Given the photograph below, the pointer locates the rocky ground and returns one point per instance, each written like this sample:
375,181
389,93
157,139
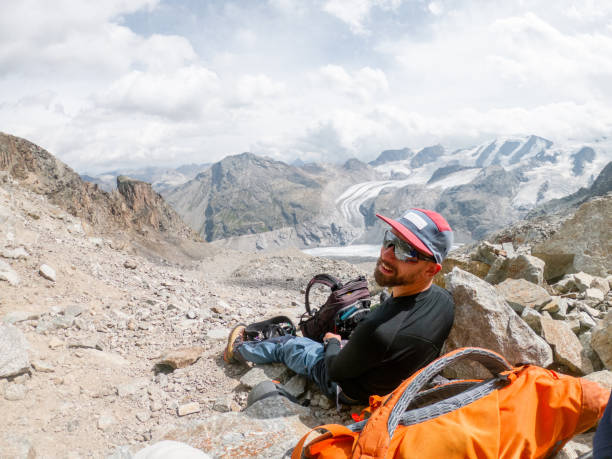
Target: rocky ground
96,319
110,343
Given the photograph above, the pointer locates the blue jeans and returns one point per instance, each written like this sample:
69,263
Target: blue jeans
298,354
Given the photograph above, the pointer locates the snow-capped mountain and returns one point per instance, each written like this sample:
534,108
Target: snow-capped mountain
478,189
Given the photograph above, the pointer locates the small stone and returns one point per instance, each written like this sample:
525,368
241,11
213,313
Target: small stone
105,421
130,264
192,314
14,358
8,274
188,408
582,281
15,254
593,294
156,405
261,373
47,272
143,416
181,357
223,404
15,392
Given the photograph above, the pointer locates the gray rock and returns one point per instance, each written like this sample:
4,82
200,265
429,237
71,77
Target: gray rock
581,243
576,447
15,392
582,281
223,404
566,345
296,386
275,406
601,341
484,319
532,318
188,408
603,378
586,321
130,264
181,357
601,284
13,352
8,274
588,352
486,252
47,272
520,294
525,267
593,294
169,449
262,373
567,284
16,254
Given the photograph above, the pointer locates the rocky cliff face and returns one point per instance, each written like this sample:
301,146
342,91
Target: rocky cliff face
246,195
134,207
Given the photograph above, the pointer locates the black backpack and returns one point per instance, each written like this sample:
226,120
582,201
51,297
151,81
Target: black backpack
315,323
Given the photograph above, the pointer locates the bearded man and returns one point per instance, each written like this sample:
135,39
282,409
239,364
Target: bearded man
400,336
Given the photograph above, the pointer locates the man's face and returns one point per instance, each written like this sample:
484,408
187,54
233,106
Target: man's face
391,272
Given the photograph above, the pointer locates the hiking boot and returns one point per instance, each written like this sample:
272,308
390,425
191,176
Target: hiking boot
236,338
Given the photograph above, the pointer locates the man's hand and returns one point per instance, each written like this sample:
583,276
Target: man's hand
330,335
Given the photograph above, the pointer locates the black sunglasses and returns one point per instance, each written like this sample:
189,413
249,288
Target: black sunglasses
402,250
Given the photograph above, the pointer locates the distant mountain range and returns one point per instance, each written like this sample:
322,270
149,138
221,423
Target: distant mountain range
259,202
160,178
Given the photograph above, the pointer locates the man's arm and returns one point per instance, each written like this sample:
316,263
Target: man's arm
361,352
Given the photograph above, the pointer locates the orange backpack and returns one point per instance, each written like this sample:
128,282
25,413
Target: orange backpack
522,412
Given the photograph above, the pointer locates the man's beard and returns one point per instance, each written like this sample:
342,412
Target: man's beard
393,279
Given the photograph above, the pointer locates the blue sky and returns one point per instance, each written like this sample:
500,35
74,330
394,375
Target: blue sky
131,83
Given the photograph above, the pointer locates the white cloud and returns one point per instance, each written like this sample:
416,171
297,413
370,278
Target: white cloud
101,87
356,12
180,94
366,83
253,89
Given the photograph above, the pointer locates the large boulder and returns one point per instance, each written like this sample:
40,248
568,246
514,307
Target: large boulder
568,350
521,266
601,341
520,294
13,352
582,243
484,319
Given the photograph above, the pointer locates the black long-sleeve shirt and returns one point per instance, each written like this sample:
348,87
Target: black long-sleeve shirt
399,337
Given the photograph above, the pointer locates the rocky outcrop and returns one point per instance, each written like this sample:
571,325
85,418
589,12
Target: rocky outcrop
135,207
484,319
582,242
